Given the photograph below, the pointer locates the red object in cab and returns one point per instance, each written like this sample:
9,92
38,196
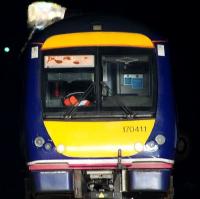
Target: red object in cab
71,101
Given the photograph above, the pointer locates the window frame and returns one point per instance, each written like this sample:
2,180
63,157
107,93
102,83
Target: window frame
98,52
130,51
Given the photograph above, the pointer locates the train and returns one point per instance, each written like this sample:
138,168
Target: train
100,119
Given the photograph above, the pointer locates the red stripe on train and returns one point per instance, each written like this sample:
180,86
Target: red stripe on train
65,166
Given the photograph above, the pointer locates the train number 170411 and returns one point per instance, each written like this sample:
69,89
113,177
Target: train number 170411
132,129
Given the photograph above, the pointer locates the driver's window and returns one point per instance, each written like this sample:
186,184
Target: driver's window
69,85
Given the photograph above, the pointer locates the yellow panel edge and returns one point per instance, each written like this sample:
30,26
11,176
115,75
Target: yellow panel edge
84,39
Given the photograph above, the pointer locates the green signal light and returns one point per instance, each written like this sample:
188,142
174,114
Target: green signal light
6,49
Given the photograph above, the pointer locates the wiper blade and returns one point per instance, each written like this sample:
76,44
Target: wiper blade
129,113
68,114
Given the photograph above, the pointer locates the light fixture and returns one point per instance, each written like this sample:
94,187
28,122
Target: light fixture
42,14
39,141
97,27
48,146
151,146
160,139
6,49
60,148
138,147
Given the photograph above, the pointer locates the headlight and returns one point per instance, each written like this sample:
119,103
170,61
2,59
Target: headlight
60,148
139,147
160,139
39,141
151,146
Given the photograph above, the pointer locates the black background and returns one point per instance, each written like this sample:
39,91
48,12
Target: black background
177,21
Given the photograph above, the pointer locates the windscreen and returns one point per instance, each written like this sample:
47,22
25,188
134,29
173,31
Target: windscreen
127,81
112,81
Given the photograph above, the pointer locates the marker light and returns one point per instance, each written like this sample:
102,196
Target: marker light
42,14
160,139
48,146
39,141
139,147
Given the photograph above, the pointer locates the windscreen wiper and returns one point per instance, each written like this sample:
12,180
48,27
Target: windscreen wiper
129,113
68,114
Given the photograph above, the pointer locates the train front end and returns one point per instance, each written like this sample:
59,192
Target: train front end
100,119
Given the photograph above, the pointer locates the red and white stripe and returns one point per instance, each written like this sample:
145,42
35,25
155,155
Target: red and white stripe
85,164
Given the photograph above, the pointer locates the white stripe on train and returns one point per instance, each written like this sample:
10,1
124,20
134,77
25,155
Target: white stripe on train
101,161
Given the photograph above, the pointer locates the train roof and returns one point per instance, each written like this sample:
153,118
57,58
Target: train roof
85,23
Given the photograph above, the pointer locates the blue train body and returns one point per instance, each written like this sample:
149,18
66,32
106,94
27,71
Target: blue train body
52,171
